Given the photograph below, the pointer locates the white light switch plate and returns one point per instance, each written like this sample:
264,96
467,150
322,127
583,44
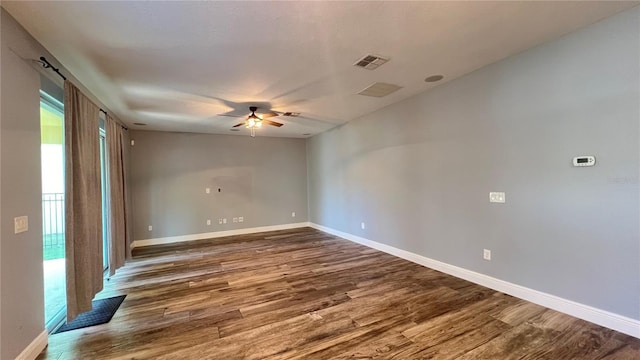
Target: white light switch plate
497,197
21,224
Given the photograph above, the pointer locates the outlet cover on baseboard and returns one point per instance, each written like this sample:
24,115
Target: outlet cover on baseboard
497,197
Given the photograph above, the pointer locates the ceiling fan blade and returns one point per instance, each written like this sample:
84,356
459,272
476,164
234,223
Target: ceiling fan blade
237,125
272,123
231,115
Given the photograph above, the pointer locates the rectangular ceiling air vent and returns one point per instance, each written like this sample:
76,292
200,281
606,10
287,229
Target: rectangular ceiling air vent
380,89
292,114
371,62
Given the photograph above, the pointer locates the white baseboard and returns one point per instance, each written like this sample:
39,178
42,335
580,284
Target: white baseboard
35,348
216,234
604,318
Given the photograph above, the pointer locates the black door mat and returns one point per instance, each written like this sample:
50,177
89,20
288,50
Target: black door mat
101,313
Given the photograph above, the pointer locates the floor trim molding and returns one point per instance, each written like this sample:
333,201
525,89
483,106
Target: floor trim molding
215,234
35,348
604,318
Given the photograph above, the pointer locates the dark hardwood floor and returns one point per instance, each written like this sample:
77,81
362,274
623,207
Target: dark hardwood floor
304,294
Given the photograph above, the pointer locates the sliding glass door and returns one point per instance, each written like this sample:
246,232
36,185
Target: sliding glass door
105,201
53,207
53,244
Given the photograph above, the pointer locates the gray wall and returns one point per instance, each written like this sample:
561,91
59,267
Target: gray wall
22,306
261,179
418,173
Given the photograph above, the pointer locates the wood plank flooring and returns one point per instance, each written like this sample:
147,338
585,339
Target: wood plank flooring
304,294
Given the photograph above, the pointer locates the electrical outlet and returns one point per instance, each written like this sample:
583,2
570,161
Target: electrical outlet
240,219
362,225
20,224
224,220
293,214
208,221
235,219
207,190
220,221
150,227
486,254
497,197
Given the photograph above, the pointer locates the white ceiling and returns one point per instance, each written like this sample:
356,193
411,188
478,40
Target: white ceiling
176,65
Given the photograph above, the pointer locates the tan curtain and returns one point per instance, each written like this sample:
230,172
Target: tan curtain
83,205
117,201
126,157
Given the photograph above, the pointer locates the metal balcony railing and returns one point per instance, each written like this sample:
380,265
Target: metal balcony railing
53,225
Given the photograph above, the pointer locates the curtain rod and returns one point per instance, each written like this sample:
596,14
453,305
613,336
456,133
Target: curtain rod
47,65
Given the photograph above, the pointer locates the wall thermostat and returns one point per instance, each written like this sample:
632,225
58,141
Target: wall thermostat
584,161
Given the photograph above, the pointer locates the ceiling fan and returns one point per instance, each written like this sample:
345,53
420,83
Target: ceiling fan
254,121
